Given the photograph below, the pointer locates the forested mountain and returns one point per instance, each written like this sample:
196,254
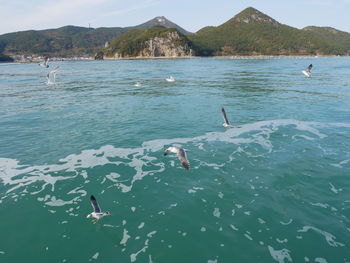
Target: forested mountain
70,40
248,33
254,33
161,21
338,37
64,41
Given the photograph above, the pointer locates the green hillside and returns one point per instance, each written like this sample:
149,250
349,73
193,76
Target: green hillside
254,33
64,41
338,37
248,33
130,44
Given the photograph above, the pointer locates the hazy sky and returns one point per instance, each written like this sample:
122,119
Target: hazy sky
18,15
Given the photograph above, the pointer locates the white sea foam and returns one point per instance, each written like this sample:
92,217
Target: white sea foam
233,227
320,205
134,255
320,260
329,237
216,212
341,164
286,223
20,177
95,256
125,237
280,255
335,190
151,234
248,236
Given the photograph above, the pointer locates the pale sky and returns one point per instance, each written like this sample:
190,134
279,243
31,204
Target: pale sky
19,15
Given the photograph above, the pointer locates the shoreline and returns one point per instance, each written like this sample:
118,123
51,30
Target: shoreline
34,59
232,57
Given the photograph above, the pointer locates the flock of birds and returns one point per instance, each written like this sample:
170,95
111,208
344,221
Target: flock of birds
180,152
51,76
181,155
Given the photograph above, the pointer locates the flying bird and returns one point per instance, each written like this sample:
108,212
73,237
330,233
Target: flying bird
307,72
181,154
309,68
45,64
97,213
226,123
51,77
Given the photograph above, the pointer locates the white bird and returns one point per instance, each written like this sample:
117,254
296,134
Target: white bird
170,79
45,64
97,213
226,123
51,77
137,84
181,154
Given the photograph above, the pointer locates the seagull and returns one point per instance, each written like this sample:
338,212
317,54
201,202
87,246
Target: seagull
97,214
137,84
170,79
181,154
309,68
307,72
45,64
51,77
226,124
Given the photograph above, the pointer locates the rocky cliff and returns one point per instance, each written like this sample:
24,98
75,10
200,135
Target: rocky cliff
154,42
167,46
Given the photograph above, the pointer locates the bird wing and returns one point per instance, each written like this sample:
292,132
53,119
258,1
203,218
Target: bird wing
224,115
181,154
55,70
309,68
52,73
94,204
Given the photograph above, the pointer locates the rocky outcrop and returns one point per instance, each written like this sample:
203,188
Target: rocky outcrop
169,46
166,43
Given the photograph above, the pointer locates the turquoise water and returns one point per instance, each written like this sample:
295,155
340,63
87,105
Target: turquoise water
275,190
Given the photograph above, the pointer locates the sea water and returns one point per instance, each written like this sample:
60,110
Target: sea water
277,189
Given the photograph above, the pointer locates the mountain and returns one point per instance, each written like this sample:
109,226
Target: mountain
70,40
157,41
161,21
252,32
336,36
64,41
